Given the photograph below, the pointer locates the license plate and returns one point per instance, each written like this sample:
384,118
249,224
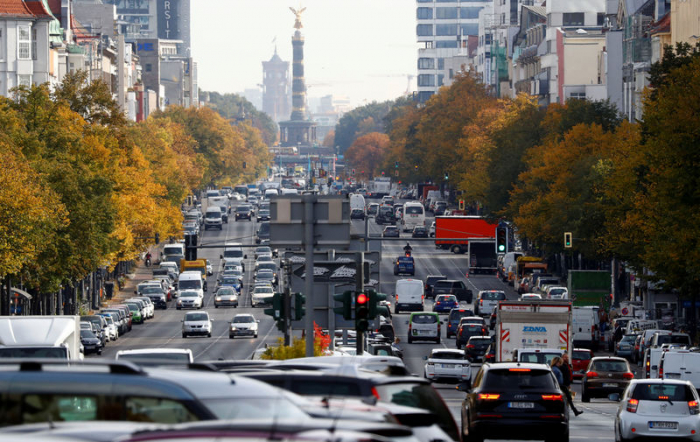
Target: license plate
448,365
664,425
609,385
521,405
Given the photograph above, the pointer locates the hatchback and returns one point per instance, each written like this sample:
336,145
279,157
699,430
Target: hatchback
625,348
580,358
419,232
445,303
605,375
226,296
453,320
446,363
467,330
390,232
196,323
243,325
476,348
424,326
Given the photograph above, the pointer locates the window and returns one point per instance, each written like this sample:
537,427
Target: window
577,95
426,63
440,80
1,45
426,80
573,19
58,407
424,30
149,67
424,96
601,19
34,44
143,409
469,12
24,48
446,29
425,1
487,39
424,13
446,13
24,80
470,29
441,63
446,44
451,74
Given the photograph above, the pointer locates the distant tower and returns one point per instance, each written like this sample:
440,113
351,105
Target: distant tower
299,130
276,88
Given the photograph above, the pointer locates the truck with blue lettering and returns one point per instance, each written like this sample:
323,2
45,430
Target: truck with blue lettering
532,325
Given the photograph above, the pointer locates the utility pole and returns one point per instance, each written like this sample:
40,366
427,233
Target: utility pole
309,201
287,301
359,288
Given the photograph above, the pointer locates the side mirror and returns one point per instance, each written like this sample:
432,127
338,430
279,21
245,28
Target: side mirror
615,397
425,358
182,320
257,320
245,256
464,386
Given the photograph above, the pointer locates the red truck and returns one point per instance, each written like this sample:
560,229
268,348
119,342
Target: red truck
468,234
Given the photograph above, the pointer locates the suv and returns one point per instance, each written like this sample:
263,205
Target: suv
467,330
453,287
244,211
476,347
605,375
486,300
453,320
424,326
430,281
514,401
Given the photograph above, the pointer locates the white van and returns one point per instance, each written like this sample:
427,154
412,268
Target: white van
681,364
271,192
213,219
173,252
635,326
585,325
191,280
413,215
409,295
505,263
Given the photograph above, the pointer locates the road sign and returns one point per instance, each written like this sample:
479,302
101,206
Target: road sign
331,219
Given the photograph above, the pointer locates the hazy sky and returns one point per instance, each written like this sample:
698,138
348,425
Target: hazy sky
361,49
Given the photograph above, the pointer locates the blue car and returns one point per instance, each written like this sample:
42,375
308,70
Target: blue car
405,265
445,303
230,281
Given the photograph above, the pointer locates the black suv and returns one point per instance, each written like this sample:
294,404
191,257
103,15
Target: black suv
244,212
469,329
453,320
452,287
514,401
385,215
430,282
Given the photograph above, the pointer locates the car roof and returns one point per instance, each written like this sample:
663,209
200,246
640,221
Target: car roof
447,350
509,365
154,350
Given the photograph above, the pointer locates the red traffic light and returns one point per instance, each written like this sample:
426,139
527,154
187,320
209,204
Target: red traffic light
362,299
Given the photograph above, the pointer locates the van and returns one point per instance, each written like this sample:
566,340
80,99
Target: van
212,218
635,326
413,216
357,201
585,325
409,295
486,300
505,263
271,192
683,365
424,326
536,355
191,280
173,252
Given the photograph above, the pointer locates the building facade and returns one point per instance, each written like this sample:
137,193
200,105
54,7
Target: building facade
276,91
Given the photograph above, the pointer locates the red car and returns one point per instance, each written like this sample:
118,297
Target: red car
580,359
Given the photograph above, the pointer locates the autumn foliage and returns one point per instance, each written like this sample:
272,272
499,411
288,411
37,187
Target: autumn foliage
367,154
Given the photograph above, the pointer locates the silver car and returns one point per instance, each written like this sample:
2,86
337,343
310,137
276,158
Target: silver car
196,324
658,408
189,299
243,325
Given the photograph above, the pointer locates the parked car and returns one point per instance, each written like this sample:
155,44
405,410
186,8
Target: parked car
91,343
605,375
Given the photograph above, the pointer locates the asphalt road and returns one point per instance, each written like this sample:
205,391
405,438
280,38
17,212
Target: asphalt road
165,329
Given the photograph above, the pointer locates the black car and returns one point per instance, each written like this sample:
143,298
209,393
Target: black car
430,282
244,212
419,232
476,348
468,330
453,320
262,236
385,215
514,401
91,343
453,287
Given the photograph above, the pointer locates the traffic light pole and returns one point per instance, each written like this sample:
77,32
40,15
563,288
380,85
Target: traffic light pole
359,288
287,300
309,201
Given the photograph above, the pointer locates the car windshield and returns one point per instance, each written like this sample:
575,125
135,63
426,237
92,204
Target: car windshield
450,298
189,295
443,285
673,339
472,327
456,315
225,291
151,290
480,341
263,289
254,408
243,319
445,355
629,338
263,250
493,296
196,317
133,307
267,266
413,210
142,357
190,284
610,366
662,392
538,358
243,209
519,379
86,334
424,319
230,280
581,355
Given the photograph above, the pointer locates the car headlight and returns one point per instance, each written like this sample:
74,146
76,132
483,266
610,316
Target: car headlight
218,298
234,328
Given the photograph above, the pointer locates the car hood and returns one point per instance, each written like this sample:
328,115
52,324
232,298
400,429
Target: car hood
193,323
245,325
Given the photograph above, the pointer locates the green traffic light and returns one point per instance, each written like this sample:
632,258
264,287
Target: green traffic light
501,248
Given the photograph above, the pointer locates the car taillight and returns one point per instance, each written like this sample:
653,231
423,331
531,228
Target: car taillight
488,396
471,346
375,393
694,407
552,397
438,303
648,369
481,302
592,374
632,405
661,369
628,375
460,332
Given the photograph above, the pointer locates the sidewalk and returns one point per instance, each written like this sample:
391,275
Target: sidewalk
139,274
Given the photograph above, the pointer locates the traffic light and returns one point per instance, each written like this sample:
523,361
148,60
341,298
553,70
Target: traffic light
447,176
157,238
244,164
277,309
190,247
568,240
501,239
353,172
461,204
396,164
345,299
396,173
416,167
298,301
361,312
375,309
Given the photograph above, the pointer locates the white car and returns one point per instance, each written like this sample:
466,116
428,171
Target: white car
530,297
196,323
431,231
189,299
557,292
658,408
262,294
243,325
263,251
447,363
226,296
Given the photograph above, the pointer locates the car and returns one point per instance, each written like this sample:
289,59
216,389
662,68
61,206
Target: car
445,303
530,297
468,329
262,235
243,325
486,300
580,358
453,318
189,299
210,269
625,348
90,342
229,281
536,355
490,354
657,408
265,275
419,232
226,296
424,326
224,214
430,281
372,209
135,310
493,317
263,215
254,200
261,295
156,356
404,265
476,348
556,292
453,287
514,401
385,215
605,375
390,232
244,211
191,228
157,295
444,363
112,325
196,323
265,251
431,231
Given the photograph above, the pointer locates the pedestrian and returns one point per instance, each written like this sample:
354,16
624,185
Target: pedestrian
556,369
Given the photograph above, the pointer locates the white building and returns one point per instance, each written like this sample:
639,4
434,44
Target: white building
26,57
442,32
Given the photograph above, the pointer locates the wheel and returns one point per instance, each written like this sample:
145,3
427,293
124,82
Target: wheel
230,336
179,308
473,435
99,352
216,306
437,341
396,310
459,347
558,438
410,341
255,336
396,272
457,249
585,397
209,335
184,335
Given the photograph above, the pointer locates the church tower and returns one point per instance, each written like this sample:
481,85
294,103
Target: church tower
276,88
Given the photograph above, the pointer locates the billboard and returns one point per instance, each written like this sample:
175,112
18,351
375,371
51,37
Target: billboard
169,13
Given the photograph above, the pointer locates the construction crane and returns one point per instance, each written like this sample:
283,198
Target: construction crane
409,77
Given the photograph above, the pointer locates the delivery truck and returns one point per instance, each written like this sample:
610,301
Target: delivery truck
40,337
532,324
454,232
